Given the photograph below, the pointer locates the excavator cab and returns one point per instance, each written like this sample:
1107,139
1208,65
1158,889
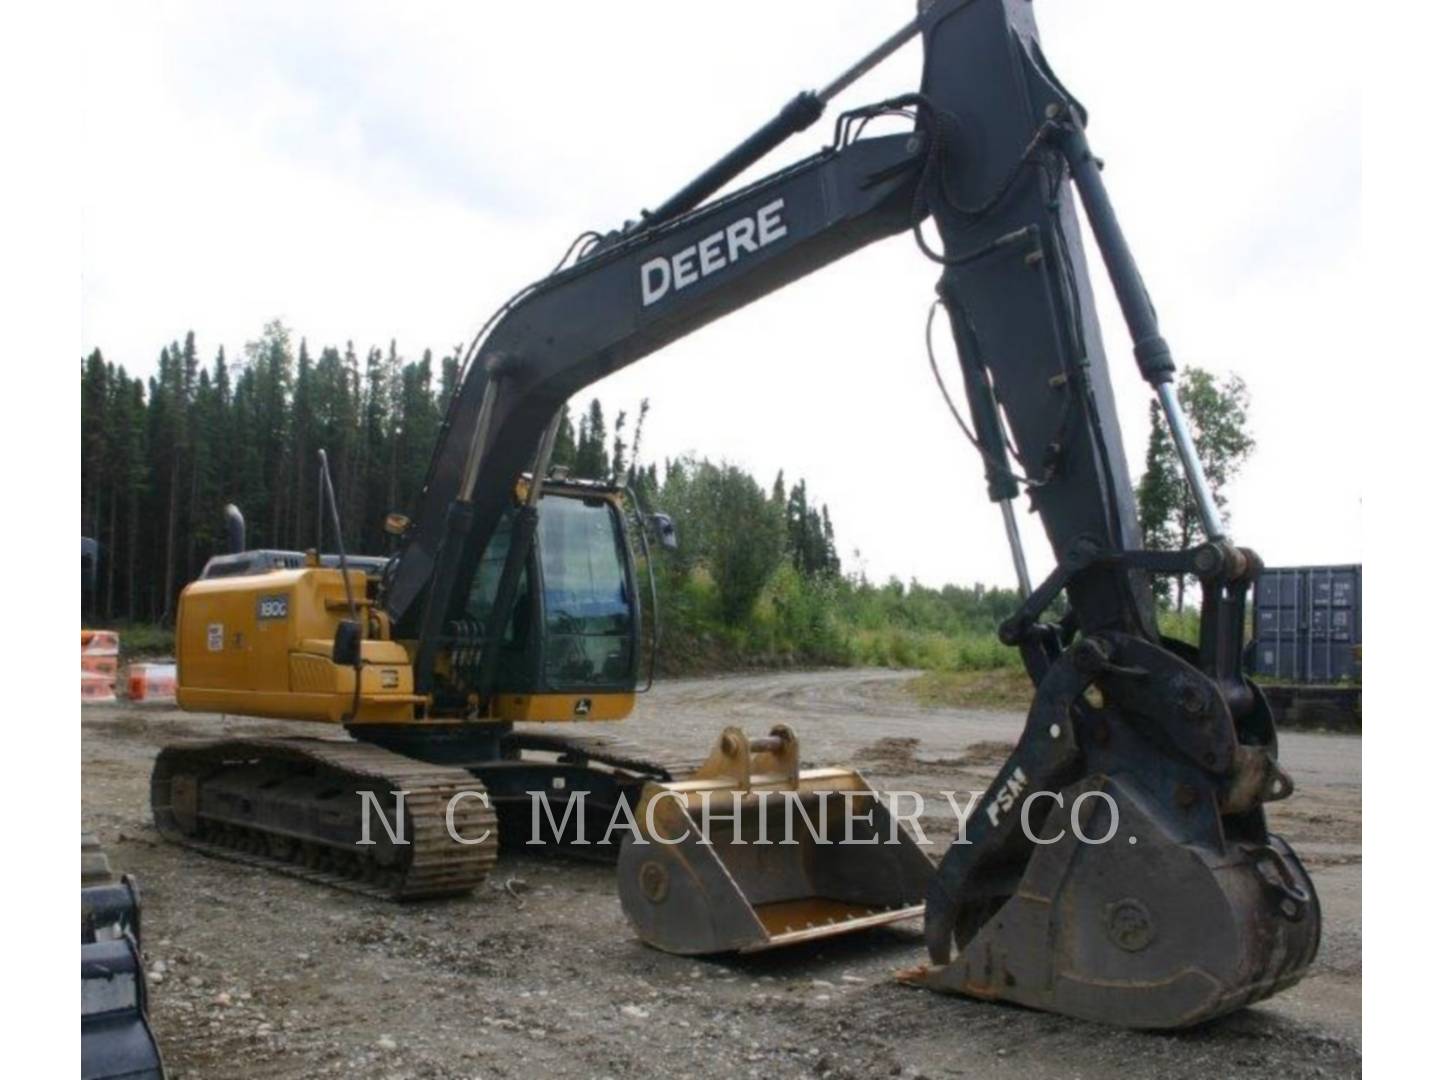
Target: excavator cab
569,646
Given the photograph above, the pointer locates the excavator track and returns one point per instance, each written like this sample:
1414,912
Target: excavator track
603,750
292,805
609,770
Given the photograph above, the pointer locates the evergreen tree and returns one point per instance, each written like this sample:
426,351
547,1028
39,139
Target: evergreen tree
303,456
133,459
418,430
166,423
373,456
394,388
829,556
352,508
617,458
94,450
160,458
564,452
450,377
631,475
592,459
201,520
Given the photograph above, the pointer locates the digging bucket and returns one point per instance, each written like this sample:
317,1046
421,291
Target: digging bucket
750,852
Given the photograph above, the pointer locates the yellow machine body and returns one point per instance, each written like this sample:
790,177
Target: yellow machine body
547,708
260,641
260,645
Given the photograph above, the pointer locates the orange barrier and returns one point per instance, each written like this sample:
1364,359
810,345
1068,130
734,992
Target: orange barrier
99,664
99,641
150,682
95,689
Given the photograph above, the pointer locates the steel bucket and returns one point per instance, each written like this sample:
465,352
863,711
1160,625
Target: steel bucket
751,853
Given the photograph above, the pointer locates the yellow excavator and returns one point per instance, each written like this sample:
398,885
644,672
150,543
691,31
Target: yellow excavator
1119,867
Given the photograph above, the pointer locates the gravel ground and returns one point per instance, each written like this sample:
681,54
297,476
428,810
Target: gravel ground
539,974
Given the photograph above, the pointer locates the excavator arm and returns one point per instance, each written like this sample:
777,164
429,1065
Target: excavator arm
1190,907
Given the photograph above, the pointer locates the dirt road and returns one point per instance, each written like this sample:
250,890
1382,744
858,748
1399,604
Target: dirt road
265,976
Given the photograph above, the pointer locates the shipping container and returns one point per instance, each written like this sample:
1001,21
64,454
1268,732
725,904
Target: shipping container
1306,625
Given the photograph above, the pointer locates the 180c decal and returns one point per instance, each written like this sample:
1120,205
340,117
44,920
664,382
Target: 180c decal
272,607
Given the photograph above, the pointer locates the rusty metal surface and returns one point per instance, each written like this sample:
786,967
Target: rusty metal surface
788,922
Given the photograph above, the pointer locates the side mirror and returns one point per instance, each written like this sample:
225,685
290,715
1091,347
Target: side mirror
665,531
345,652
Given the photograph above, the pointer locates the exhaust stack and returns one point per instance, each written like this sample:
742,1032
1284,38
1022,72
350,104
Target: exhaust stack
234,529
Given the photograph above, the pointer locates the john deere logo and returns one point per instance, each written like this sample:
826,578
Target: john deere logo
582,706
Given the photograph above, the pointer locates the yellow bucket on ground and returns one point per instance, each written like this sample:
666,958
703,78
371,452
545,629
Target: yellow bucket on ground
750,853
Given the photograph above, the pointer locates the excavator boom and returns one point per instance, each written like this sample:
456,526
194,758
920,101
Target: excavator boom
1014,285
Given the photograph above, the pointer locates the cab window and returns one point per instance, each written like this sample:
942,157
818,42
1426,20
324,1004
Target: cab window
486,583
588,632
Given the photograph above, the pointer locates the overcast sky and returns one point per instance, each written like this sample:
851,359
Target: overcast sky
377,171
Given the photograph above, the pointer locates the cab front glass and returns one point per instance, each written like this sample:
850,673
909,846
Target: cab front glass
586,594
586,633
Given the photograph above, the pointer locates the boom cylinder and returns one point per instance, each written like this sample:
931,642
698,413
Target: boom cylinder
798,114
1152,353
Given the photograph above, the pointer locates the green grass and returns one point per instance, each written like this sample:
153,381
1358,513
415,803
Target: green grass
1181,625
976,671
930,650
998,688
800,622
